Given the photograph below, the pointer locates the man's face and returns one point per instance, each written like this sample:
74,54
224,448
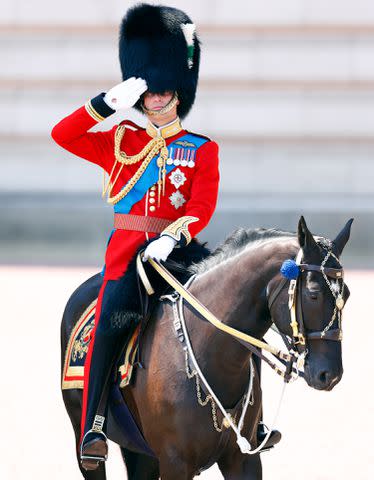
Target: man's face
156,101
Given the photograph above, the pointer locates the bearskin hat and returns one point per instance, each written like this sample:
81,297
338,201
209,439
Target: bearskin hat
159,44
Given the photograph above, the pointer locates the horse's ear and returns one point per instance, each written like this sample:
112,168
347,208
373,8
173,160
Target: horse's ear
306,239
342,238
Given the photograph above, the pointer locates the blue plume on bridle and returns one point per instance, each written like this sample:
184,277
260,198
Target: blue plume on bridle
290,269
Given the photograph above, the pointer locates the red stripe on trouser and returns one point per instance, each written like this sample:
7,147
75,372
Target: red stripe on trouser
87,365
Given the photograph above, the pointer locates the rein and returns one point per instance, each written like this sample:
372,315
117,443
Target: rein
296,346
252,343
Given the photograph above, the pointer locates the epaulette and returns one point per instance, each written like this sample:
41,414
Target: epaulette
198,135
133,126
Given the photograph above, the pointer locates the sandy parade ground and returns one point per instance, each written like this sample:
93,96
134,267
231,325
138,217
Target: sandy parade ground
326,436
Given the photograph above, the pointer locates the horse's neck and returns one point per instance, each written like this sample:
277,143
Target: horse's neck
235,291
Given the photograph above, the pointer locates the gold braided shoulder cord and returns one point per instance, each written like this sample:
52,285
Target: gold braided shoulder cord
149,151
121,156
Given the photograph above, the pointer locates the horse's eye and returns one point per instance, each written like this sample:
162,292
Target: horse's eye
313,294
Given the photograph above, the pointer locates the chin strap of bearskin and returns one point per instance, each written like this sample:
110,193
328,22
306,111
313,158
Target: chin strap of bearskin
166,109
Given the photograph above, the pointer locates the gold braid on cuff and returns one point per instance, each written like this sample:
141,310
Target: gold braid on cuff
164,110
179,228
92,112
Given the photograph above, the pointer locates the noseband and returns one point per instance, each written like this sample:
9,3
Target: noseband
300,335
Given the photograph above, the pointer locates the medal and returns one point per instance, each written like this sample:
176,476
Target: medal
183,157
177,199
177,178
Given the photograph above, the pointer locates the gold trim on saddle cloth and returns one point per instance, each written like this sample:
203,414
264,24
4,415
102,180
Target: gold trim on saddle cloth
77,347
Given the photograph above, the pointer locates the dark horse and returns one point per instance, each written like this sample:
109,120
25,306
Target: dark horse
234,283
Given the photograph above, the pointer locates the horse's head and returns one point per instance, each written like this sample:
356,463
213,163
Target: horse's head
309,311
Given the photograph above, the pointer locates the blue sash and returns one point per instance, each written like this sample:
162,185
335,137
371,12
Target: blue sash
185,147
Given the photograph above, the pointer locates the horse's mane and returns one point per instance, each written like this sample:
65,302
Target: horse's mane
242,238
235,243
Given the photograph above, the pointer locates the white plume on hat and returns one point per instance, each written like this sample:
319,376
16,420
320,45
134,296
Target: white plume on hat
188,30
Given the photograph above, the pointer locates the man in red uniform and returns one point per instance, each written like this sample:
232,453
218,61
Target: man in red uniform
163,180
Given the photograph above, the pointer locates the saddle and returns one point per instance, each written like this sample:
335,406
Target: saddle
129,296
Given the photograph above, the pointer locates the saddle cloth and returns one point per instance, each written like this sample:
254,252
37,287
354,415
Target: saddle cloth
77,347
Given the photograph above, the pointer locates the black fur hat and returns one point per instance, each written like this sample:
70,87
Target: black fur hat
153,46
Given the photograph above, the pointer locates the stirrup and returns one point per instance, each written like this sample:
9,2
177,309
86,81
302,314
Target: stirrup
92,461
275,437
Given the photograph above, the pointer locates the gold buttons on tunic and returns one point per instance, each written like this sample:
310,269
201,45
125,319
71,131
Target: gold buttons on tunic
152,208
152,194
152,200
153,187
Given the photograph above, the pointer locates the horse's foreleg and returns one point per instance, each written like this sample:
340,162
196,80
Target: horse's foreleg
140,467
240,467
173,467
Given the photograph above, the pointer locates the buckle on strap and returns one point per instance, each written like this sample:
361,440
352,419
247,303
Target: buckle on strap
299,339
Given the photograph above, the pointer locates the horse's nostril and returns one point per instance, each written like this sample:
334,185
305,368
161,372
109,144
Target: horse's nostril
324,377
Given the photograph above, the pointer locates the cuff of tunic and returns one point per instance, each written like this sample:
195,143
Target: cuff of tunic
179,230
98,109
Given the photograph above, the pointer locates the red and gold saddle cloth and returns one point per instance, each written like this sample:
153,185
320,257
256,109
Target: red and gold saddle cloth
77,347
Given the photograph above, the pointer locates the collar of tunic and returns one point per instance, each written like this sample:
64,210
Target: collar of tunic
165,131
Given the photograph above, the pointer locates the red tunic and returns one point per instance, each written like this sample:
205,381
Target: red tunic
199,189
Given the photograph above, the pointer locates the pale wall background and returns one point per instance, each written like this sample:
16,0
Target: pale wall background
286,89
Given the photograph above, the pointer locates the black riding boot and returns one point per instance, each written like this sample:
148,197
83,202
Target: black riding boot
262,430
114,329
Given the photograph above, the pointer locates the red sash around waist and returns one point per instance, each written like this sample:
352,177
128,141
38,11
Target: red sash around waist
125,221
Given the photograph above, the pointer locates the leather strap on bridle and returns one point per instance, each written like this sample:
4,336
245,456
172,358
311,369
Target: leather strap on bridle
334,273
202,310
299,333
253,344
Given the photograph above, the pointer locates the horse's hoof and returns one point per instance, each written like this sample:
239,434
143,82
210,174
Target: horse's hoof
94,452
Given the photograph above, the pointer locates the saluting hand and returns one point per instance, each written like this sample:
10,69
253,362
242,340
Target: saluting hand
125,94
159,249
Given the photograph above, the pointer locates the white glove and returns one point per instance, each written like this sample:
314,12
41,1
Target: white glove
125,94
160,249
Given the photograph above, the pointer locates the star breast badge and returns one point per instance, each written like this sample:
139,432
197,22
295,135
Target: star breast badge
177,178
177,199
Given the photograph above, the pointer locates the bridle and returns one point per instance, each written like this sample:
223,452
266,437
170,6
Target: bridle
300,334
297,344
